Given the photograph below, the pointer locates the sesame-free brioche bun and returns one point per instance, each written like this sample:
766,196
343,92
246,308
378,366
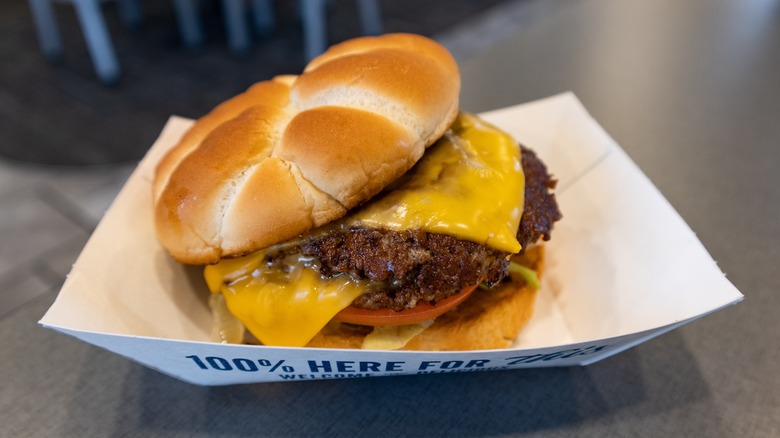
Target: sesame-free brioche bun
296,152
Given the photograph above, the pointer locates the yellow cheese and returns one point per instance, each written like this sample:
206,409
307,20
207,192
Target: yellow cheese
286,308
393,337
469,185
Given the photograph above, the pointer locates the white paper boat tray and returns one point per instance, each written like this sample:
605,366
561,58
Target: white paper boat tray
622,267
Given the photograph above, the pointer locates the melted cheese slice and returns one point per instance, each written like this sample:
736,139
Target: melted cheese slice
393,337
284,308
468,185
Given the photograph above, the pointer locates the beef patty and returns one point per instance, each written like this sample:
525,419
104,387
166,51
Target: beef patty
410,266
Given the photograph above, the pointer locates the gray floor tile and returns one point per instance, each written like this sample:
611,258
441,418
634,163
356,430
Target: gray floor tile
30,228
55,265
15,175
88,192
25,285
46,219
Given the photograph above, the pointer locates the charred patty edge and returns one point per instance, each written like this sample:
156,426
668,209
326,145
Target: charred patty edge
411,266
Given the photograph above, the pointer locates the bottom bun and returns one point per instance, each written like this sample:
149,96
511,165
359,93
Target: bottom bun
488,320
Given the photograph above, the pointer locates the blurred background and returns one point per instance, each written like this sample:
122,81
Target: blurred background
689,89
60,112
72,133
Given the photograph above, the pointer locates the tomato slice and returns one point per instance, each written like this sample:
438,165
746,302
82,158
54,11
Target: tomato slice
388,317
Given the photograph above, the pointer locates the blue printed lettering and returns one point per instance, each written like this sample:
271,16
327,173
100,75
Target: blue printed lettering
324,367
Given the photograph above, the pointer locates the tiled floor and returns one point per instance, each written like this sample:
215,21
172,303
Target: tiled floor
48,213
47,216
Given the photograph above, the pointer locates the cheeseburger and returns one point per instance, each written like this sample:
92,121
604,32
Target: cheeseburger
355,206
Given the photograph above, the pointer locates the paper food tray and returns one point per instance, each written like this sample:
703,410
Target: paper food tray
622,268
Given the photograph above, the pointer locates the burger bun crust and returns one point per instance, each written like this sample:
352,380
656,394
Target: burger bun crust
297,152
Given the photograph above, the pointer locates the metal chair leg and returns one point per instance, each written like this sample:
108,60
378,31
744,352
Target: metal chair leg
98,40
314,28
188,18
370,17
263,16
46,28
239,40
